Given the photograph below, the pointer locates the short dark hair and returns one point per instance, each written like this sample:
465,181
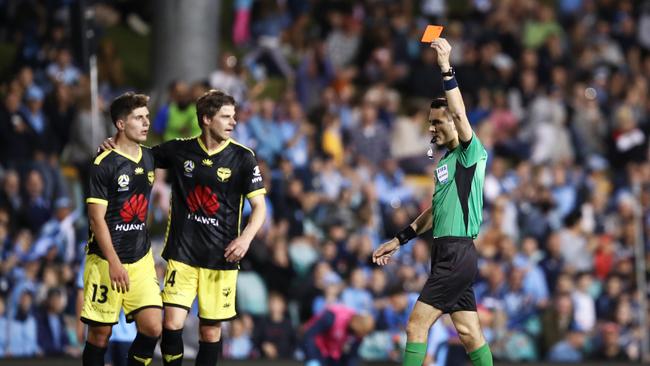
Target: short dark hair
210,103
439,103
125,104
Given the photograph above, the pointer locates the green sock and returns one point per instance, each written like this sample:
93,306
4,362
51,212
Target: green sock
414,354
482,356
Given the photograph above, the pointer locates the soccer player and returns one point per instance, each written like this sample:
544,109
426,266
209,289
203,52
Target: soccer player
212,174
119,268
455,215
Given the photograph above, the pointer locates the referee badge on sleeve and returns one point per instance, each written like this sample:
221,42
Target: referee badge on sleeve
442,174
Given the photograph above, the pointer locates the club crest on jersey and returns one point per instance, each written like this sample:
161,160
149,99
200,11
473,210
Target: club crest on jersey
206,162
442,173
150,177
138,170
188,166
223,174
123,182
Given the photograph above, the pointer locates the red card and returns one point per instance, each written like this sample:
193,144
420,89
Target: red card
432,32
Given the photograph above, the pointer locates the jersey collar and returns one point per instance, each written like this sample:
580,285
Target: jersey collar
216,151
135,160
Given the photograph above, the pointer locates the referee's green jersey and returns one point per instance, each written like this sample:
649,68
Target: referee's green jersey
458,198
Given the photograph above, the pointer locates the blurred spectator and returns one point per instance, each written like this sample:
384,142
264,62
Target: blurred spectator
62,70
356,296
585,308
4,326
61,110
333,336
33,114
17,137
238,345
59,234
569,349
228,79
369,140
38,208
178,118
609,348
409,141
52,333
23,329
265,130
556,321
273,336
606,302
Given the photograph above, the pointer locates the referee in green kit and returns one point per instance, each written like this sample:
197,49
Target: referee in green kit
455,215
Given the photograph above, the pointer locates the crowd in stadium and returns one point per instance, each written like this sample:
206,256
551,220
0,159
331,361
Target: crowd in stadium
557,91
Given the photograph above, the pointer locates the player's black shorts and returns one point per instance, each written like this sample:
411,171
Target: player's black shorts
453,270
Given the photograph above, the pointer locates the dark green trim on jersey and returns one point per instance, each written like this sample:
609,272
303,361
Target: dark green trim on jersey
464,177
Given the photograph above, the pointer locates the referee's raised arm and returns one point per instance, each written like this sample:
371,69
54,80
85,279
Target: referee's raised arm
456,106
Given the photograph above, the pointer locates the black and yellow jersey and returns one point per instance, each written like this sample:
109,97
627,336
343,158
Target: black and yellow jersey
208,191
123,183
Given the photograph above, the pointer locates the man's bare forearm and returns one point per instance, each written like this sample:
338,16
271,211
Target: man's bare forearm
102,234
424,222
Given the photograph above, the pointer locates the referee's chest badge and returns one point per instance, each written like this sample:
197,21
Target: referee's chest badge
442,173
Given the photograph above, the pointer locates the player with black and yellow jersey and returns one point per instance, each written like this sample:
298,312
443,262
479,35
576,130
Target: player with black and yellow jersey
119,269
211,176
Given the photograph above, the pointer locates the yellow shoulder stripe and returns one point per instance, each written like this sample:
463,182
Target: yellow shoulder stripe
238,144
101,157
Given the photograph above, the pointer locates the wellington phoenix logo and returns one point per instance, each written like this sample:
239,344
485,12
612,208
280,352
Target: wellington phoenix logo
223,174
203,198
134,207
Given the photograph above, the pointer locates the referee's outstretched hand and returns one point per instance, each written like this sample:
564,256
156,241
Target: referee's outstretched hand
382,255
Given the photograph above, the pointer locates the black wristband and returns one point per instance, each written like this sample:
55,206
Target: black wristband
405,235
450,84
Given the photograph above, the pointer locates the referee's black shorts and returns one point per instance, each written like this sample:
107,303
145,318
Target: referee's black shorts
453,270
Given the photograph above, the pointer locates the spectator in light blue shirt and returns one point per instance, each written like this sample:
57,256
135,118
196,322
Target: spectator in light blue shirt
4,328
357,296
569,349
22,327
294,130
266,133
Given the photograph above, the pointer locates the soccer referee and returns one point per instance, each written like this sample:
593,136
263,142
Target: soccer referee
455,215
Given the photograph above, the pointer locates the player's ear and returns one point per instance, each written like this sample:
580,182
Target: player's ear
205,120
120,124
